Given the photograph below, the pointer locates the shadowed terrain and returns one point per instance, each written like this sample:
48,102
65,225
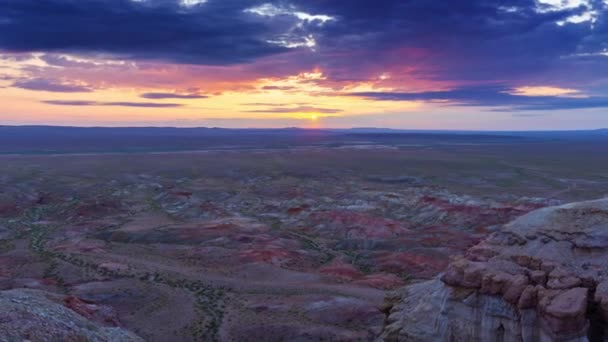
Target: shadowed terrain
266,243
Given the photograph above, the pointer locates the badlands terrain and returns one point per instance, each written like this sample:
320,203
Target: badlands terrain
319,238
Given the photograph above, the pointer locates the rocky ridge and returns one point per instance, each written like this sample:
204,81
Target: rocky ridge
543,277
35,315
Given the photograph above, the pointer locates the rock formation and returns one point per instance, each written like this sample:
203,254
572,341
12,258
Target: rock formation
543,277
33,315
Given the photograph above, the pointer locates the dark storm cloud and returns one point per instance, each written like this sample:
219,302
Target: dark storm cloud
117,104
517,42
159,96
51,86
216,32
492,96
461,39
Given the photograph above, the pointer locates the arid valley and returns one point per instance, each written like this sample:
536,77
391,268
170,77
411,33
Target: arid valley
300,243
303,171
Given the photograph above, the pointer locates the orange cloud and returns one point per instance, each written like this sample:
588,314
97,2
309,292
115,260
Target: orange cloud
547,91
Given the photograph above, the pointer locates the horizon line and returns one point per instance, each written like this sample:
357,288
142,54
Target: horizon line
305,128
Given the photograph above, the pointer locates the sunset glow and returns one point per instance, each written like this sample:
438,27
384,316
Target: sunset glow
297,62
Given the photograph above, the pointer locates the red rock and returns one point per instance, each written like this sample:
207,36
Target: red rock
9,265
473,275
340,310
538,277
544,245
601,297
564,311
341,270
421,264
49,281
181,193
9,209
495,283
82,246
589,278
559,272
548,266
454,273
383,281
527,261
480,253
98,208
527,300
464,273
480,216
35,315
270,256
215,210
297,210
515,288
447,236
356,225
98,313
564,283
114,266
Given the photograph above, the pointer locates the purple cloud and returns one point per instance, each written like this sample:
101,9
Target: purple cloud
117,104
500,97
40,84
159,96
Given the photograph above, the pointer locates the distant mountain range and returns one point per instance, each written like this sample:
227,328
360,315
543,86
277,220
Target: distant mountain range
65,139
219,130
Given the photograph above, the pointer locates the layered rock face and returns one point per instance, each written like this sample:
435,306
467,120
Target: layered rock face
543,277
33,315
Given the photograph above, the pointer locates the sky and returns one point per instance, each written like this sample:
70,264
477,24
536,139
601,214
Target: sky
412,64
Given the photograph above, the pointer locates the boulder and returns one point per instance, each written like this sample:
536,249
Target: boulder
33,315
540,278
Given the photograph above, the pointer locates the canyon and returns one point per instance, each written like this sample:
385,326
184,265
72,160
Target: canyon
434,241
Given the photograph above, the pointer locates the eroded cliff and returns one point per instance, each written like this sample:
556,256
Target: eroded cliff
543,277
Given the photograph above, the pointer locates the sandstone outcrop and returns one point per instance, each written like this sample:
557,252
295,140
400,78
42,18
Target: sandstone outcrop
543,277
33,315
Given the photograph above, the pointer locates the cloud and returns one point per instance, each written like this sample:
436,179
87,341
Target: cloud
295,34
265,104
278,88
51,86
528,115
502,97
299,109
159,96
117,104
271,10
71,61
20,57
459,40
563,104
546,91
233,44
454,41
214,32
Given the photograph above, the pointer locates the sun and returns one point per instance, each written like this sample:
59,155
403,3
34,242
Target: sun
313,117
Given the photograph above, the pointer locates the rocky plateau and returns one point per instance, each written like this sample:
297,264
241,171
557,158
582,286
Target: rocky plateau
304,245
542,277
